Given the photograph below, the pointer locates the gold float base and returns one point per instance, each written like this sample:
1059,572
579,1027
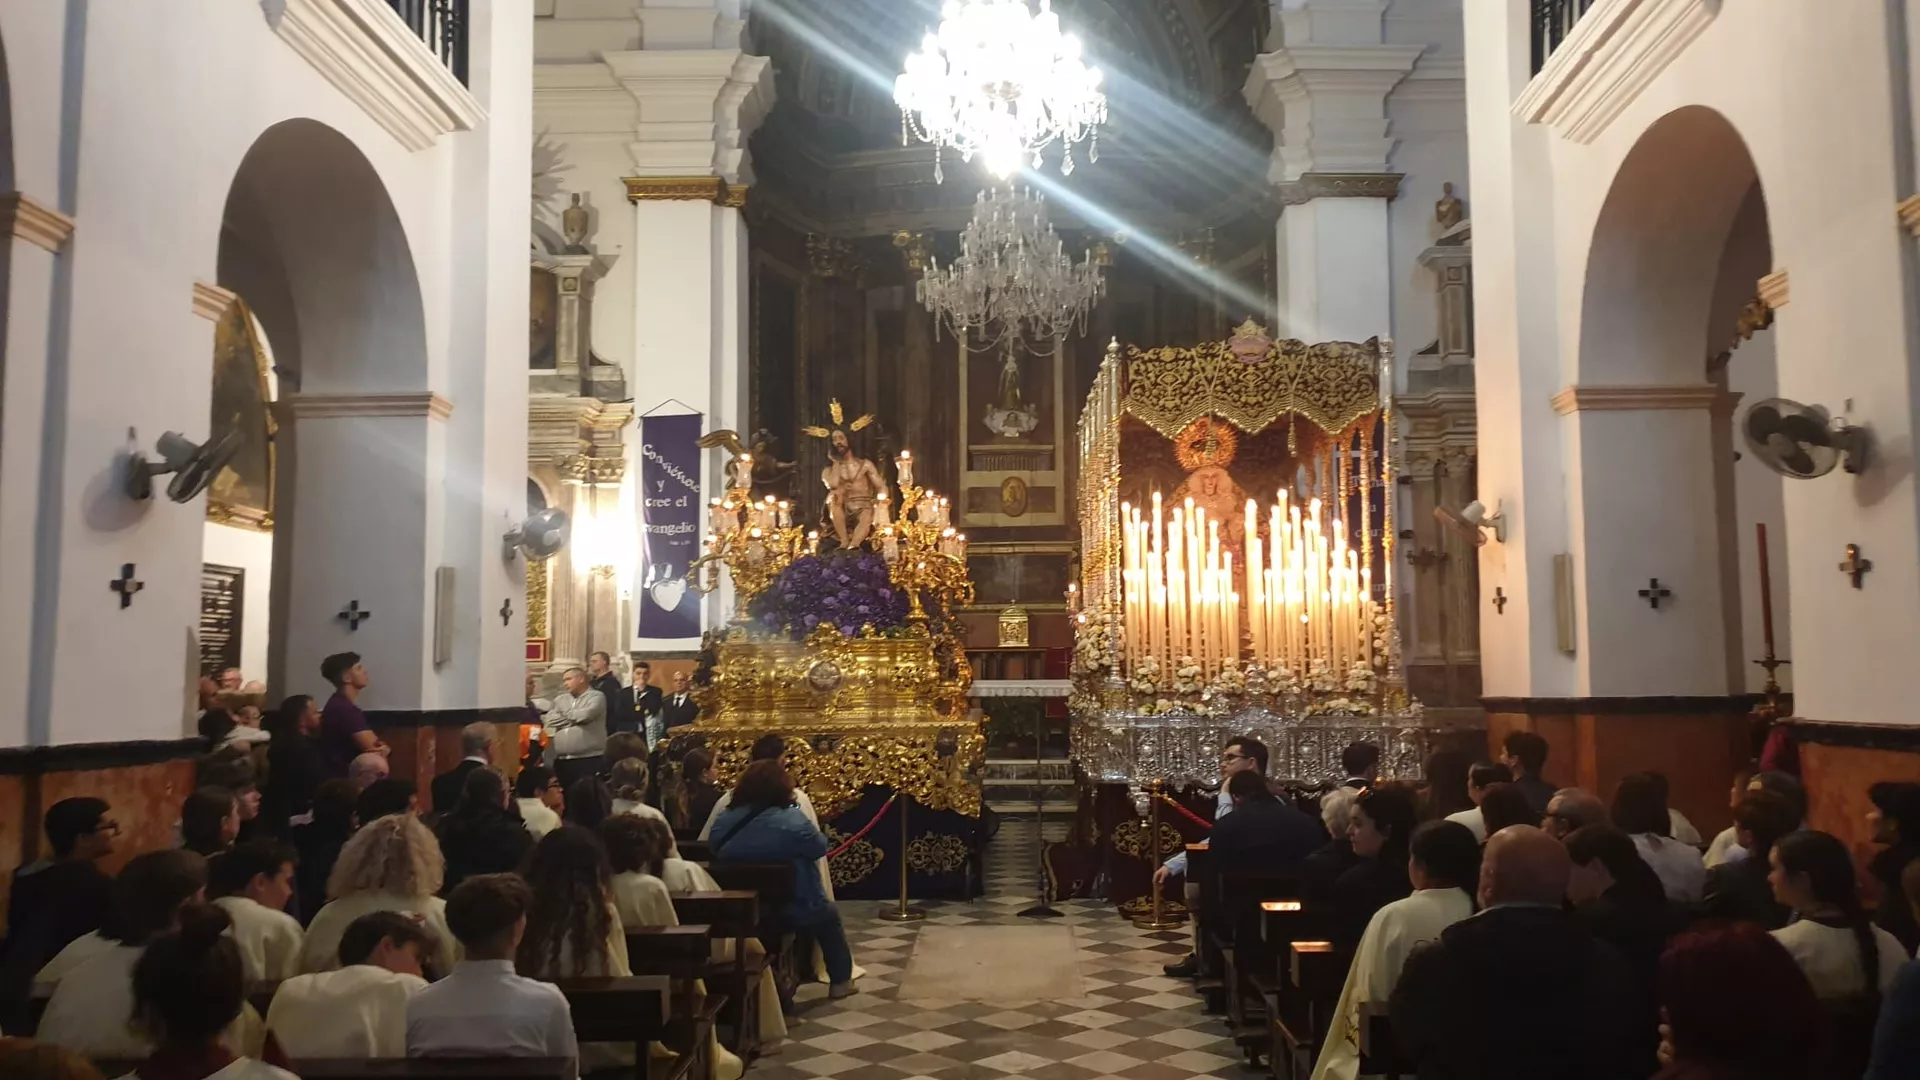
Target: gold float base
1167,922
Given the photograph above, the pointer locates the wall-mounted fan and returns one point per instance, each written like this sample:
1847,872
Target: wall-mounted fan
1801,441
541,536
193,465
1471,519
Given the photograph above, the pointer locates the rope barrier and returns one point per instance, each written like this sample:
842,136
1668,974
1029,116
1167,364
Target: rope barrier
1191,816
855,838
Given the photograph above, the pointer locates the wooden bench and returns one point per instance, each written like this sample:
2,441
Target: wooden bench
678,952
774,884
428,1069
1247,960
1315,973
698,851
734,916
638,1010
1380,1051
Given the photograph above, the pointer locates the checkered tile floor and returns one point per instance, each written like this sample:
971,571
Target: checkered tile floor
1133,1022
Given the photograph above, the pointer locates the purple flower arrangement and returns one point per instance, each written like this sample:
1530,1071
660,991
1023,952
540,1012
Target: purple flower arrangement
845,589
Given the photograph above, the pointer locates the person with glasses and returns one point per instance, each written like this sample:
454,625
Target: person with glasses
1242,754
58,899
541,799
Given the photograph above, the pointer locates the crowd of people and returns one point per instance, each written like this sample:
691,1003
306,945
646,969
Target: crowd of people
389,929
1509,928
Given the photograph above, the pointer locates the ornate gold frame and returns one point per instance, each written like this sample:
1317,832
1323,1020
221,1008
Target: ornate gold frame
244,517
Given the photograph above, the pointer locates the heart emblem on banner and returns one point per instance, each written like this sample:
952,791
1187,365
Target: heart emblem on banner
668,592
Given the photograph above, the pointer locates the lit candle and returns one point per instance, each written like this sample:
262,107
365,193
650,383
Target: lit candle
813,542
904,465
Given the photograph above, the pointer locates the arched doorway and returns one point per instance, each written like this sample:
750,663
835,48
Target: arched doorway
312,245
1677,252
1671,336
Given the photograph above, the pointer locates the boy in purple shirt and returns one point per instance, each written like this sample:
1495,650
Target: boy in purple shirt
344,734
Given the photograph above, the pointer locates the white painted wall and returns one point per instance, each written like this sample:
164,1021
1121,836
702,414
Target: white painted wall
102,94
1809,90
253,552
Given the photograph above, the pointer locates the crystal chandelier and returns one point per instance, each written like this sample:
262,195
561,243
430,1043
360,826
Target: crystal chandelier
1013,278
1001,81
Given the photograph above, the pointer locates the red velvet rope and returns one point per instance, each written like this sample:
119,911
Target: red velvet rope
855,838
1191,816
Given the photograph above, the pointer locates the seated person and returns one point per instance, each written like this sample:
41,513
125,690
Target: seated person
628,783
699,790
92,1007
209,821
59,899
319,841
232,767
384,797
1739,889
764,824
188,992
1444,867
359,1011
393,864
1479,779
1640,811
1263,832
479,834
636,858
541,800
1380,828
252,884
483,1008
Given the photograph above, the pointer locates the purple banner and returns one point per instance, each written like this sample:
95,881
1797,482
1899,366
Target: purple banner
670,509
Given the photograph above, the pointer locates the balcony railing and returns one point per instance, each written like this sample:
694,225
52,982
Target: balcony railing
442,26
1553,21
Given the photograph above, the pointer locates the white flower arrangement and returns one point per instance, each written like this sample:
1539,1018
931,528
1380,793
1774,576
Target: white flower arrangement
1360,677
1341,706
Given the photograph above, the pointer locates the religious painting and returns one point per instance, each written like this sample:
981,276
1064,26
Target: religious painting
242,492
543,321
1010,409
1032,575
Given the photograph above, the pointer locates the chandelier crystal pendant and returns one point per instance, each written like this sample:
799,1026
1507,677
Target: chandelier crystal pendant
1000,80
1013,278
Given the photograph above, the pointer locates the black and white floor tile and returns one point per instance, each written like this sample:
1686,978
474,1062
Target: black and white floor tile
1128,1021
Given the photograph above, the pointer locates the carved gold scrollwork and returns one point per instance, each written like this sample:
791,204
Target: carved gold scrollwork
1130,838
1332,384
537,597
936,854
855,864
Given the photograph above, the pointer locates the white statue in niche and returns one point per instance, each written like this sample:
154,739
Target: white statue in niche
1009,417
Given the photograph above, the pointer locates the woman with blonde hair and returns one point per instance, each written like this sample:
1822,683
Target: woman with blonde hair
392,864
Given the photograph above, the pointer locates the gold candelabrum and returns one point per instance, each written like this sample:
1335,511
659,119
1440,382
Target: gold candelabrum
924,553
754,541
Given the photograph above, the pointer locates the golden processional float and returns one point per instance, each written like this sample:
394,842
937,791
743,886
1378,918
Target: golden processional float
855,654
1237,519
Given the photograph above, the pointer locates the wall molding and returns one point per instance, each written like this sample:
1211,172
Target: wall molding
1614,52
364,49
83,757
211,302
1575,399
1773,290
333,406
711,189
1739,704
1329,185
26,218
1898,737
1909,211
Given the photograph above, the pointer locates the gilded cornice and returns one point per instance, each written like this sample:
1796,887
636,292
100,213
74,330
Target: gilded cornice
211,302
685,189
37,224
1313,186
1773,290
1909,211
589,469
327,406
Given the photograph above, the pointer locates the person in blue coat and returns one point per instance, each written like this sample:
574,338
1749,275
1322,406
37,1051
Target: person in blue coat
764,826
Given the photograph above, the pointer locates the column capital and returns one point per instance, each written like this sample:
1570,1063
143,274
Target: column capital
697,109
1326,105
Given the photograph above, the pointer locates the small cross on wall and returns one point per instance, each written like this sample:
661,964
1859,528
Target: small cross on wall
1855,567
1654,593
506,611
1500,599
355,615
125,585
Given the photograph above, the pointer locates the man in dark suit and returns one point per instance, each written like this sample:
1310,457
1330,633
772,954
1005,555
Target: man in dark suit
476,744
1263,833
642,702
600,676
1522,990
679,710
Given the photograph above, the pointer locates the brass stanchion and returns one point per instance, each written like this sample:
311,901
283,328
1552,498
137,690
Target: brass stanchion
1159,920
903,913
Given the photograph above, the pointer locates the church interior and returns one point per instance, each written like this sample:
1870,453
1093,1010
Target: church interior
821,589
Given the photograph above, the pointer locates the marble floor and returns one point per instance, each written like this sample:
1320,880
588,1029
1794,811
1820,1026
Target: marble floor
974,993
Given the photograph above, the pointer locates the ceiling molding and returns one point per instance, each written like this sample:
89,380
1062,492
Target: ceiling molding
373,58
1614,52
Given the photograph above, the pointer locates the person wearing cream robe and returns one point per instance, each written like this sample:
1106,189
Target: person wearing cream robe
643,900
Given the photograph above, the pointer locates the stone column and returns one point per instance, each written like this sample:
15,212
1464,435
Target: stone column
1322,91
34,235
700,97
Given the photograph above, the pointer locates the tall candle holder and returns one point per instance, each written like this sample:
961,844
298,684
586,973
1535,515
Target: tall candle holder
753,541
